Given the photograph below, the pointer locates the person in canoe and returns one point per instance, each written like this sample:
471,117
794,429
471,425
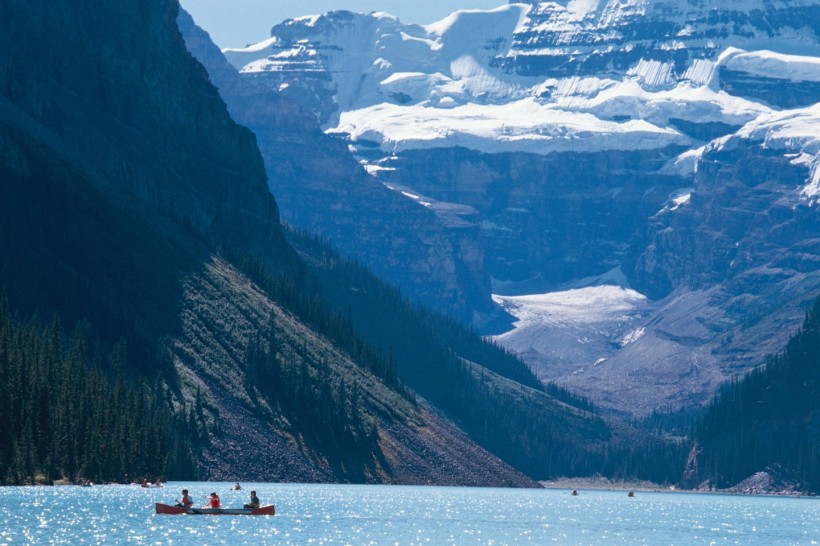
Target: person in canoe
214,501
185,501
254,503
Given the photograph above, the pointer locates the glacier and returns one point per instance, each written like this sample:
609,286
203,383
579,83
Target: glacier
674,142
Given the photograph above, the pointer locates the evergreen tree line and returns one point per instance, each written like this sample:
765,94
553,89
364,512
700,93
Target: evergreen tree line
569,397
301,297
325,410
769,419
524,428
437,357
655,459
64,417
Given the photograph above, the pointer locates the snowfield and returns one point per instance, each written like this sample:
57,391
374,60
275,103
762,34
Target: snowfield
419,87
522,126
563,332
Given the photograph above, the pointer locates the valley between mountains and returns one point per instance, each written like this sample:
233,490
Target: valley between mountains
547,240
653,166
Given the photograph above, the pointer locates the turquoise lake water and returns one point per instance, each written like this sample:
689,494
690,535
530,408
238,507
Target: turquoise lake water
360,515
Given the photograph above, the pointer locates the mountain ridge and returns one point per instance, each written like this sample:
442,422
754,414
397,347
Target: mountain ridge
592,140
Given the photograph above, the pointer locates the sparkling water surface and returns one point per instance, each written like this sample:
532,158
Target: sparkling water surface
359,515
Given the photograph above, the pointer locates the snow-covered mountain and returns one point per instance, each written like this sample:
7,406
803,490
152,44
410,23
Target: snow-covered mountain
431,253
665,149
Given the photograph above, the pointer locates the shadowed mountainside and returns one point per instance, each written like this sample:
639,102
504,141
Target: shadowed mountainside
135,208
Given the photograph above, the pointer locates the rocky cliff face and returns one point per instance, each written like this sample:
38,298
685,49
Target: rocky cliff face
183,158
611,36
584,142
431,255
549,219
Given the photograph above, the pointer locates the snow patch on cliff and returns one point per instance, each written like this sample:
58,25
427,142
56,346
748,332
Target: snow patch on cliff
445,84
566,331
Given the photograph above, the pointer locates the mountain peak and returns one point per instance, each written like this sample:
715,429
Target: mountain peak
587,136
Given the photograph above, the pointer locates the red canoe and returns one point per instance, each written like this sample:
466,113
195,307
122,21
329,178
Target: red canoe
267,510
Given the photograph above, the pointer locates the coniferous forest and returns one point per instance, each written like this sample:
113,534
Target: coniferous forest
769,419
68,412
544,431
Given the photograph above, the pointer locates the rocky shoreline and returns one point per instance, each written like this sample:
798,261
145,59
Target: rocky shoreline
760,483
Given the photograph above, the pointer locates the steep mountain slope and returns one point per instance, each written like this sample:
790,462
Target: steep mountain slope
134,208
490,394
194,163
764,427
224,316
595,143
430,254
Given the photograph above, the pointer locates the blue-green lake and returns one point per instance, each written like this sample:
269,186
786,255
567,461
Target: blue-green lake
361,515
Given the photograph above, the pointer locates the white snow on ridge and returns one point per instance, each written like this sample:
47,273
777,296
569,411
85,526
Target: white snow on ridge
792,131
768,64
514,15
375,60
575,116
812,189
796,131
524,125
451,92
685,165
252,48
683,101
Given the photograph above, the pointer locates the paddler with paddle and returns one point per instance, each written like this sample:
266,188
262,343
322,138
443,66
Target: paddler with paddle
214,501
254,501
186,501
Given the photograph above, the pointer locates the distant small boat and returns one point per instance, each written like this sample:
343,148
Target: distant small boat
267,510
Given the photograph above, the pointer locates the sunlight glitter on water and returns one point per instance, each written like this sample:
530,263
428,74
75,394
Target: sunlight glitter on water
346,514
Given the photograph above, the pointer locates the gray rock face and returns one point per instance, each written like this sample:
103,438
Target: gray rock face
545,220
745,226
613,35
777,92
748,233
320,187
